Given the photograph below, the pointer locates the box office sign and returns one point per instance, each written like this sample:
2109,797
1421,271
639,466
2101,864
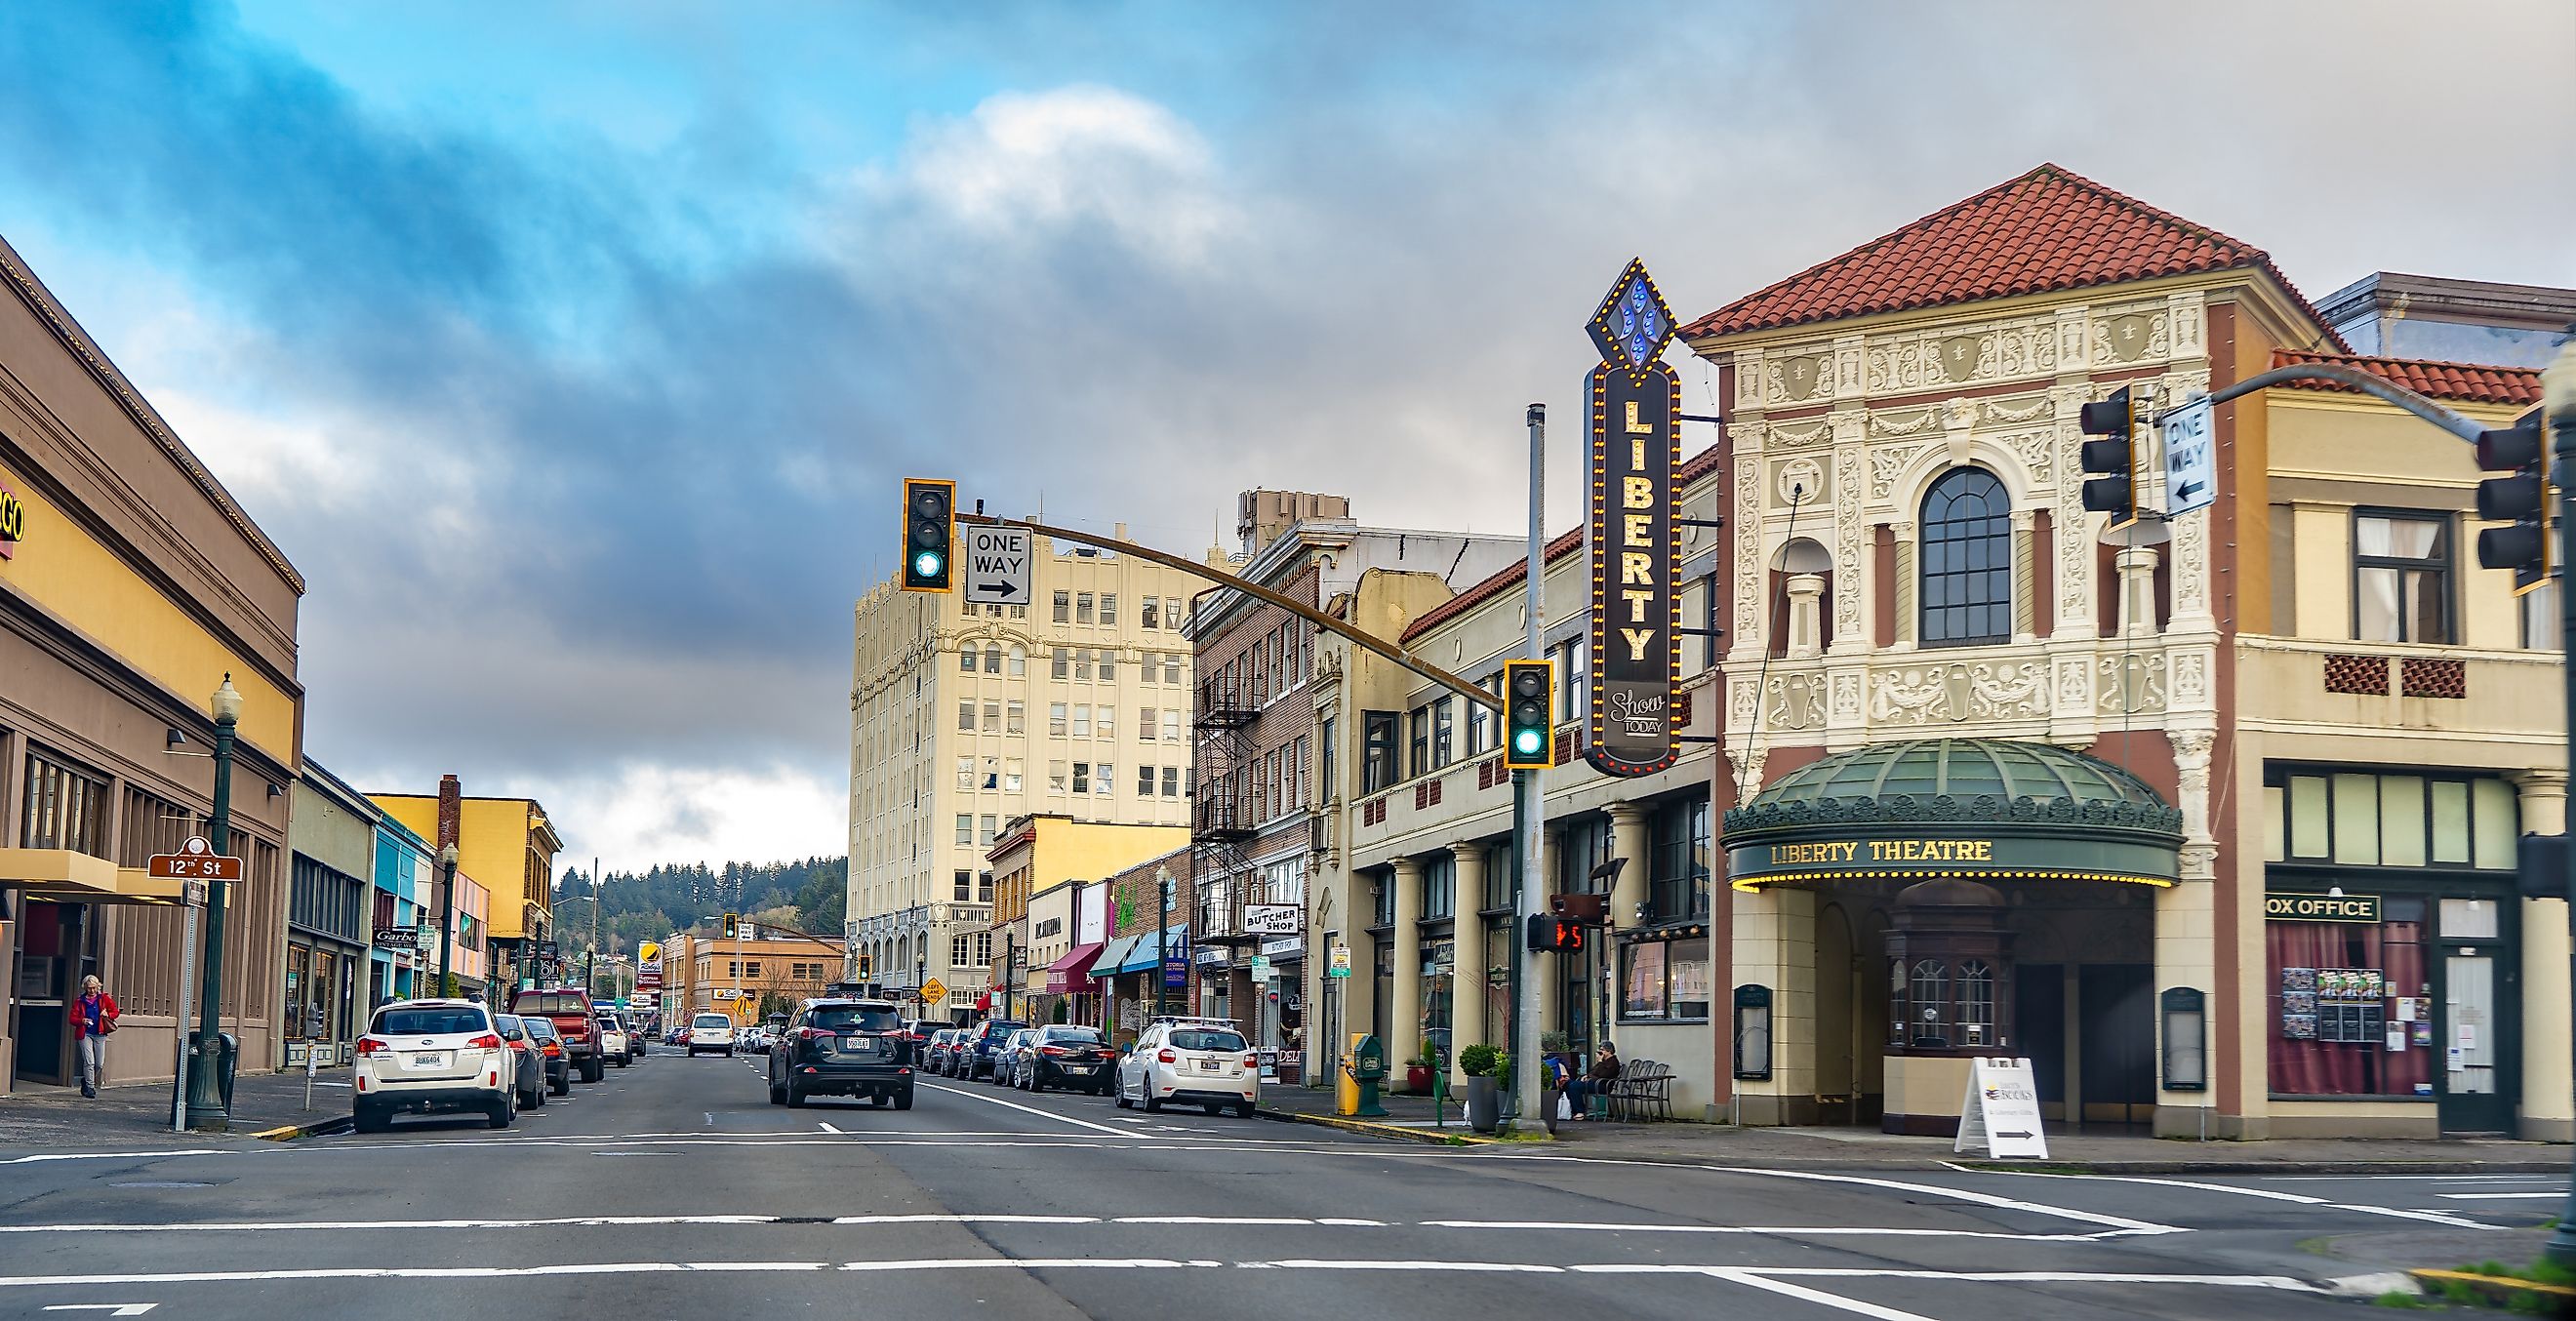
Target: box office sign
1636,560
2282,906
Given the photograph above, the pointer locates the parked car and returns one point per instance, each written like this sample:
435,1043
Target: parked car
612,1040
639,1039
936,1051
550,1047
433,1057
981,1041
710,1032
1191,1061
1064,1055
574,1018
531,1071
843,1047
1006,1057
754,1039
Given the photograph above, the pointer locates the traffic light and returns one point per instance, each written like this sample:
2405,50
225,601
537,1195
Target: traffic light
1551,934
929,509
1529,715
2520,500
2113,460
865,970
732,925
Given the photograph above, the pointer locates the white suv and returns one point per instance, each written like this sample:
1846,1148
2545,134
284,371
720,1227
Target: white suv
710,1032
432,1057
1191,1061
612,1041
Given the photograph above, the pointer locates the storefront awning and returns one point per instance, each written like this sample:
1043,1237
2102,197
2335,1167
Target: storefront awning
71,877
1992,810
1105,964
1147,952
1071,973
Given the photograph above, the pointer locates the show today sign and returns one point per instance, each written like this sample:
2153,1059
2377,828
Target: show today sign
2292,907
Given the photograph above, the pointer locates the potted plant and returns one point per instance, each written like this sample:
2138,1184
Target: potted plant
1417,1073
1484,1067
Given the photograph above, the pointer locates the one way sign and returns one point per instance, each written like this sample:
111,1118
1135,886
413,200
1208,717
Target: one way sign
2191,461
997,565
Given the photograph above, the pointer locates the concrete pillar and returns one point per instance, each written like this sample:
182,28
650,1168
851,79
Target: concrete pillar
1404,1017
1903,587
2137,566
2548,1098
2025,578
1806,614
1628,841
1467,979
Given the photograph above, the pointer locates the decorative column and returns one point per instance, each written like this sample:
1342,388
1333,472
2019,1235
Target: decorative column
2137,567
2548,1099
1628,841
1905,582
1467,964
2186,939
2025,576
1404,1017
1806,614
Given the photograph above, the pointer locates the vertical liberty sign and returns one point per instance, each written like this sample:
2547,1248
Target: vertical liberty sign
1636,559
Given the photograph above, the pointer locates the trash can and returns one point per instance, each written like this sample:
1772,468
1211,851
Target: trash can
227,1059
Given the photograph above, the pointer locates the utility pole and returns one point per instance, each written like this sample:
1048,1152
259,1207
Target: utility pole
1529,891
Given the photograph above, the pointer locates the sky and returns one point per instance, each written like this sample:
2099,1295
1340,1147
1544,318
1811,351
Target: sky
574,351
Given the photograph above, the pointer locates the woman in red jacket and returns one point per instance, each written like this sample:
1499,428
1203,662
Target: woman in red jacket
93,1017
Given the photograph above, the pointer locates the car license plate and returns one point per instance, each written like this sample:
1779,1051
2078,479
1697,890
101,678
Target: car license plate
1080,1068
1207,1066
427,1061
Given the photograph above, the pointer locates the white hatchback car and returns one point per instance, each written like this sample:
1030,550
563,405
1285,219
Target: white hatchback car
1191,1061
433,1057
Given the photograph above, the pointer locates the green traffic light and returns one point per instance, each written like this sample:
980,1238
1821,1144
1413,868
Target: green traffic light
1526,742
926,564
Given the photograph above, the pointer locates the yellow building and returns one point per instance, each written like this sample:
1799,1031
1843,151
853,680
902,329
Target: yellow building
766,971
132,585
1037,857
965,717
508,844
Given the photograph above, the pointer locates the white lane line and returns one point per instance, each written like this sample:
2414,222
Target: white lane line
112,1309
2266,1194
116,1155
2490,1197
825,1126
1823,1299
1984,1199
1033,1110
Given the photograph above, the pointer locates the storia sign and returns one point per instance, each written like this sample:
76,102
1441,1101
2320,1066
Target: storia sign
1636,559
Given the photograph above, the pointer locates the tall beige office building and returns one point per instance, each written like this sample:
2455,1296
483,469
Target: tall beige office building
964,717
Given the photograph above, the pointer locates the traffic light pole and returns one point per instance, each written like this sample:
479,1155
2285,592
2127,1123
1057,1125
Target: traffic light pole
1529,892
2558,400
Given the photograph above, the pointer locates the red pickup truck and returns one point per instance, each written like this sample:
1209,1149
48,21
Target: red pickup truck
569,1009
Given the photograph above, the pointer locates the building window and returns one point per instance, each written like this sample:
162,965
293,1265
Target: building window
1144,781
1584,846
1172,612
1574,697
1377,750
1967,560
1421,761
2541,628
983,947
1056,719
984,830
1109,666
1444,732
1055,777
1171,725
1064,607
965,772
1082,608
1011,768
1109,609
960,946
1481,731
993,658
1081,720
1082,664
1105,722
1149,614
1057,665
966,658
1382,889
2401,582
966,715
1679,881
1440,886
1171,782
1017,718
992,717
1172,667
1298,770
1019,661
1324,768
1144,724
1105,782
962,886
2360,819
2336,990
1082,777
965,828
1664,981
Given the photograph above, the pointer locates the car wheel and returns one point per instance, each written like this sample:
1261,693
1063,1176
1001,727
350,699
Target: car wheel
371,1120
877,1100
903,1099
564,1088
500,1116
777,1094
1243,1109
1101,1090
795,1097
596,1070
1153,1104
1122,1097
1211,1110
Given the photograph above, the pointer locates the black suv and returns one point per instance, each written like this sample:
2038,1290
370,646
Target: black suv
843,1047
975,1053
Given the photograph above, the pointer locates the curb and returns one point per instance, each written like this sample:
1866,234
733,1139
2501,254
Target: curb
1393,1132
311,1128
2354,1167
2495,1290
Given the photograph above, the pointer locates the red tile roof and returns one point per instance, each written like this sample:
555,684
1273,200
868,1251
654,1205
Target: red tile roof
2049,229
2464,382
1697,466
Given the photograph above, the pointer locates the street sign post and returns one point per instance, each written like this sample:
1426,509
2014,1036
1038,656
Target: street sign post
196,860
1340,966
933,991
2191,461
997,565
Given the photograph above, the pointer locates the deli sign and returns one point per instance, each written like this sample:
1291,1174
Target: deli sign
2293,907
1636,558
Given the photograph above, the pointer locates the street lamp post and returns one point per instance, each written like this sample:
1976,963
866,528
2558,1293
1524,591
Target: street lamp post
206,1110
1162,940
446,912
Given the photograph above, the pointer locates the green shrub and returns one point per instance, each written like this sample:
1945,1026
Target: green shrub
1480,1061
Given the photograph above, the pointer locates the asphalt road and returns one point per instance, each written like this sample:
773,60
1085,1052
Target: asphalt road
673,1189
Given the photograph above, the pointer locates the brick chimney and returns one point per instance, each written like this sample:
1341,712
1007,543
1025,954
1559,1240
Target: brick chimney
451,811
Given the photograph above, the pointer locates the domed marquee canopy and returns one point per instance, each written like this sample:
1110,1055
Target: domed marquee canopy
1990,810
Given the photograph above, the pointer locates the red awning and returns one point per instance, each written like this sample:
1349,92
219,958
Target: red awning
1073,971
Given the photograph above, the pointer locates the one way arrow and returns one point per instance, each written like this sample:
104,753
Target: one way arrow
2189,489
997,589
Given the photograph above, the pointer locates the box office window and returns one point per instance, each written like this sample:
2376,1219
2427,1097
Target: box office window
2361,819
1664,981
2350,1005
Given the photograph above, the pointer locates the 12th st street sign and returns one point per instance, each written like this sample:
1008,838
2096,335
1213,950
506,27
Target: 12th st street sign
1636,559
196,860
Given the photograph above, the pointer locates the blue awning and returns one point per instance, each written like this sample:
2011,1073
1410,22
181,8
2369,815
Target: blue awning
1146,952
1111,955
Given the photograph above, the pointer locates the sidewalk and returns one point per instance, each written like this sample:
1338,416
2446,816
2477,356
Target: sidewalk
140,1113
1410,1117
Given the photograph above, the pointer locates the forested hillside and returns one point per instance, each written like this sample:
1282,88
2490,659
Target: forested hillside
635,907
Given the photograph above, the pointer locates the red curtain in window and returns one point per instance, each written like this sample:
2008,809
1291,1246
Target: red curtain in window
2316,1067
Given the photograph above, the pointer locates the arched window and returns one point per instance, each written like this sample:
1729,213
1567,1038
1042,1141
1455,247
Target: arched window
1967,560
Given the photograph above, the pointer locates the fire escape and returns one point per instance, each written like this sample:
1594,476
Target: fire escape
1221,811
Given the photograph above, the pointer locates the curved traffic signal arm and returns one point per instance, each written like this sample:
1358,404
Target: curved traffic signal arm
2111,463
930,528
1529,715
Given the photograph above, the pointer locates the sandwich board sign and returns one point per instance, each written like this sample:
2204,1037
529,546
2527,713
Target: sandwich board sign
2001,1110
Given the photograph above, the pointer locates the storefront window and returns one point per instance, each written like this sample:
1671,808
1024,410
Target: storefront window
2355,819
299,989
1680,881
1439,969
2350,1006
1664,981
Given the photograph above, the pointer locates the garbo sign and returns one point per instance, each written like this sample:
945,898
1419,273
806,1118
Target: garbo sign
1636,560
2292,907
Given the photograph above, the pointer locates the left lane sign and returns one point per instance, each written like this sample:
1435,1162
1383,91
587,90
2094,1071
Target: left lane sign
997,565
